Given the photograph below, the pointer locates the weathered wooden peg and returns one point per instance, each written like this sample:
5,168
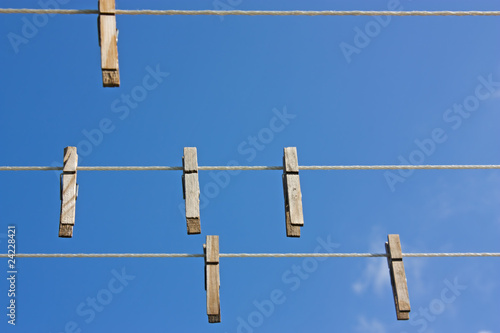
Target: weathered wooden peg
108,39
294,217
69,192
398,277
212,278
191,190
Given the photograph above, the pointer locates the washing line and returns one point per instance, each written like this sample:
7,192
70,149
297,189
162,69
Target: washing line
245,255
255,12
254,168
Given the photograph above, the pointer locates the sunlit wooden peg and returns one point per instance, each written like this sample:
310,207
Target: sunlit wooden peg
108,38
191,190
294,216
212,278
398,277
69,192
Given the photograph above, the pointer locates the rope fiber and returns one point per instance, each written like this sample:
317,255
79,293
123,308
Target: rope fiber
255,12
253,168
243,255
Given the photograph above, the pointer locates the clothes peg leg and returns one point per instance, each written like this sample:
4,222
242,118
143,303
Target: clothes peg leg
398,277
108,38
69,192
191,190
294,217
212,278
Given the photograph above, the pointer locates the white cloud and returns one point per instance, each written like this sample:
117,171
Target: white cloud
415,273
485,332
370,326
376,273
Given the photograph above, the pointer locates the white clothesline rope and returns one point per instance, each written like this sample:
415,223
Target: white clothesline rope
243,255
249,168
256,12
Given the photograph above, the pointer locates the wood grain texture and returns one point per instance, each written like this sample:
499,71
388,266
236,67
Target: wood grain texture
290,160
70,161
291,230
109,51
107,7
191,190
212,278
293,196
398,277
395,247
402,296
110,78
193,226
294,199
212,254
190,160
213,300
65,230
69,192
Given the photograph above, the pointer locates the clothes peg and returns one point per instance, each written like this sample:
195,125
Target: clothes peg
69,192
108,39
212,278
398,277
191,190
294,216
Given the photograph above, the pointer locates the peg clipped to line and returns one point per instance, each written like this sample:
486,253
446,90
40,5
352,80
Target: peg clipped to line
69,192
191,190
294,217
212,278
108,40
398,277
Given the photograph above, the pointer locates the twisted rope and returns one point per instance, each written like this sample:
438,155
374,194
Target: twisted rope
243,255
255,12
253,168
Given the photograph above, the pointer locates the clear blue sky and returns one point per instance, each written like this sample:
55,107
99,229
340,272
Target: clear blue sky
355,90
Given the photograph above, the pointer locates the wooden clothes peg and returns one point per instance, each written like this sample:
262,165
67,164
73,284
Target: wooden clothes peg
108,42
212,278
398,277
69,192
191,190
294,217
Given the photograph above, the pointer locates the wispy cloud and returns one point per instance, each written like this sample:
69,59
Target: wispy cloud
415,270
370,326
376,273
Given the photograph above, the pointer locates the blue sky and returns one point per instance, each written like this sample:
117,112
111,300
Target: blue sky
421,89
